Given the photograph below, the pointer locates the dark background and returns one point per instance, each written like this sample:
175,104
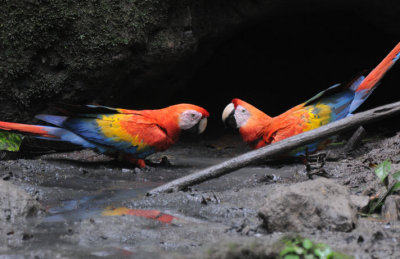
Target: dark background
279,63
152,54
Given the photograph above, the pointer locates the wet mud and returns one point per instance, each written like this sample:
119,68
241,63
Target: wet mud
95,207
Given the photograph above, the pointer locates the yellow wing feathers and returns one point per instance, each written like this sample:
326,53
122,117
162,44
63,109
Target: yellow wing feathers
110,126
317,116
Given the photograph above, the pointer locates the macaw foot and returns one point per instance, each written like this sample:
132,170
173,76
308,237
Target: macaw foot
135,161
314,164
335,155
164,162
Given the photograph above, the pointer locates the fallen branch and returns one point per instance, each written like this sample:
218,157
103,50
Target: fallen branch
277,148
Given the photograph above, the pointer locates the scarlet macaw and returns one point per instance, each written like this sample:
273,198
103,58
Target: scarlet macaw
338,101
129,134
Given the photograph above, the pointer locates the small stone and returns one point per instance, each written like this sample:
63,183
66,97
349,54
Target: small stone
16,206
396,159
319,204
360,202
390,209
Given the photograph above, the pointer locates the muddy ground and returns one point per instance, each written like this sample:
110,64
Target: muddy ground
242,214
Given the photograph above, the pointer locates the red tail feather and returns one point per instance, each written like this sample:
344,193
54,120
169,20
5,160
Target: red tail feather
379,71
25,128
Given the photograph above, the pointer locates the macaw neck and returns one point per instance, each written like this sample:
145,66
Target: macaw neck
255,128
168,120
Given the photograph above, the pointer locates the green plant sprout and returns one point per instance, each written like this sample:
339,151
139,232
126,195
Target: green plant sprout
382,171
304,248
10,141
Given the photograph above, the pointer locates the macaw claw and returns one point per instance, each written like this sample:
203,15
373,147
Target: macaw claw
315,164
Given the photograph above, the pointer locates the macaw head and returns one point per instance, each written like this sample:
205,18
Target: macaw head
239,114
250,121
191,117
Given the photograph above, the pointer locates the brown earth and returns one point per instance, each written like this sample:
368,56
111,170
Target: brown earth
246,212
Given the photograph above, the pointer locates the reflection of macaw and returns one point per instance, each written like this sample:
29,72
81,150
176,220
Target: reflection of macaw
338,101
130,134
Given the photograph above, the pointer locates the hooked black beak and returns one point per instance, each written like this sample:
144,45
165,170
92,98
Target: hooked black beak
199,127
228,116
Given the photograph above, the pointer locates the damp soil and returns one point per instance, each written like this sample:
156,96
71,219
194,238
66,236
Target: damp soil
216,219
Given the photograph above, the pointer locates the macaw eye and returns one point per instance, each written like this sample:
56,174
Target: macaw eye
192,115
243,110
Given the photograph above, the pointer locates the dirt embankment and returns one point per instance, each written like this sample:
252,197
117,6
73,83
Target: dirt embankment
100,209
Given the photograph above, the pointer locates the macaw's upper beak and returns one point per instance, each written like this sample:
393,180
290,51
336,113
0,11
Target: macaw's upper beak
199,127
228,116
202,125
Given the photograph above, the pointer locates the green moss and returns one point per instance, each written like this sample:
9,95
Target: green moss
45,45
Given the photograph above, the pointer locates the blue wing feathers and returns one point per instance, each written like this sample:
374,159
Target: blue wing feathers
356,83
66,135
89,129
86,133
396,58
52,119
343,99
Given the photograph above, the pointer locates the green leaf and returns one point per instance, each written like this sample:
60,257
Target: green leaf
383,170
10,141
323,252
307,244
287,250
301,247
396,187
337,255
291,249
396,176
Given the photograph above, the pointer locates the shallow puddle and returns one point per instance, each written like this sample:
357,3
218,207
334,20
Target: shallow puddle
92,205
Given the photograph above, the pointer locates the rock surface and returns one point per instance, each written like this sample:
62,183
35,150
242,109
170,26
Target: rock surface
318,204
391,208
127,52
16,208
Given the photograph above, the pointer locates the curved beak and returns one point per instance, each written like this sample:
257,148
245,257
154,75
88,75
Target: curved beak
199,127
202,125
228,116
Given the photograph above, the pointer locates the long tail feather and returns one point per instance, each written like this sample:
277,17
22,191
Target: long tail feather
379,71
48,133
364,88
36,130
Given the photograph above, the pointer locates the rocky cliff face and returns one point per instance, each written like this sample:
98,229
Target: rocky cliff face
82,50
150,53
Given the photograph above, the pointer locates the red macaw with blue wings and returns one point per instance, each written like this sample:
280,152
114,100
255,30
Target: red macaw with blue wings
338,101
132,134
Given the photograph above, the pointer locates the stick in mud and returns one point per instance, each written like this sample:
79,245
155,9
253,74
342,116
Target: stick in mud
278,148
355,139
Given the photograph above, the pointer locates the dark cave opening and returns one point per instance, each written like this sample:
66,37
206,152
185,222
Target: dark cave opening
283,61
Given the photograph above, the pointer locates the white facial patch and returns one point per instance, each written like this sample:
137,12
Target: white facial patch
241,116
189,118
